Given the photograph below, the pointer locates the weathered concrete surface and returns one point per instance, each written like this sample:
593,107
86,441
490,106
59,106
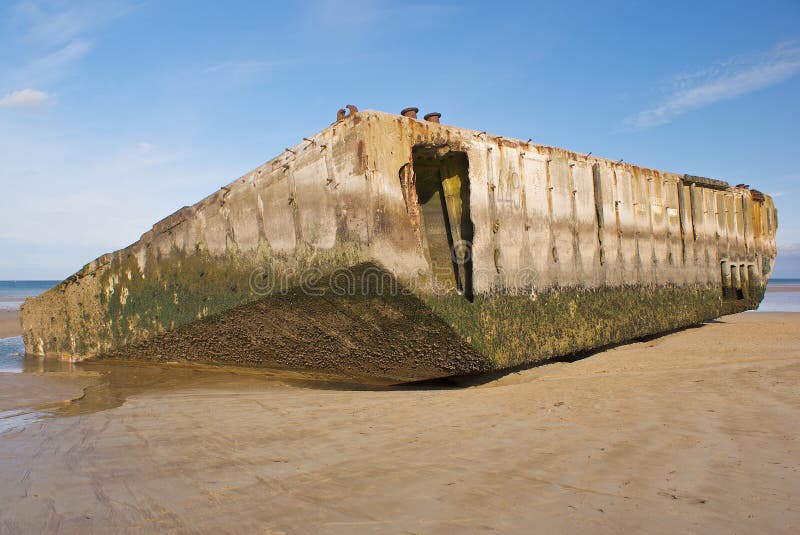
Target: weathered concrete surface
394,248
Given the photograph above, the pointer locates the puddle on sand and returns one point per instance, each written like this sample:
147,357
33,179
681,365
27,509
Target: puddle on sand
11,351
17,419
111,382
118,380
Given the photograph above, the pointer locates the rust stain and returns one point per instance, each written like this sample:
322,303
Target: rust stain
408,182
361,158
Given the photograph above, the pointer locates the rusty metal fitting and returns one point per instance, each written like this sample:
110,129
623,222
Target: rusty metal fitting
409,112
433,116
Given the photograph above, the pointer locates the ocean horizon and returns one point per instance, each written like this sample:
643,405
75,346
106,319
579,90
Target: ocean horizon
14,292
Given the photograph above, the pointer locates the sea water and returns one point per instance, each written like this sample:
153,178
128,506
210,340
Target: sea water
13,293
11,352
782,295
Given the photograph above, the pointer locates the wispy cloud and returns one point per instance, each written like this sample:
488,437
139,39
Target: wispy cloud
340,13
144,147
25,98
55,23
82,206
74,50
789,249
53,36
724,81
244,67
787,264
54,65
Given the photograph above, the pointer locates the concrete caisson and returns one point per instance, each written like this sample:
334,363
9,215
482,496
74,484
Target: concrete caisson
394,249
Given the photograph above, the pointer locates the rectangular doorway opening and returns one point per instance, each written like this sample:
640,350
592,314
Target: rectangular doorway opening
442,184
732,281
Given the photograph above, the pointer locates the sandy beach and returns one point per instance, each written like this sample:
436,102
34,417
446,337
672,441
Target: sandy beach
9,323
695,431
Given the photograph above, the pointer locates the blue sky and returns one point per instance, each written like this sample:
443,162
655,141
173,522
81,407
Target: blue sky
115,113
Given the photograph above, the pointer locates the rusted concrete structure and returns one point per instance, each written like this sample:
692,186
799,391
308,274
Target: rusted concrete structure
395,248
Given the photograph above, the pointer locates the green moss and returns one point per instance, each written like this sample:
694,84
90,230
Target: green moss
181,288
126,305
514,329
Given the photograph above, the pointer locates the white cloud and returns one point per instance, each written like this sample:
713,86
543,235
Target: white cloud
725,81
24,98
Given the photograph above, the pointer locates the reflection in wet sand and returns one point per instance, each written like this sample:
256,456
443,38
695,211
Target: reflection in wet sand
110,383
17,419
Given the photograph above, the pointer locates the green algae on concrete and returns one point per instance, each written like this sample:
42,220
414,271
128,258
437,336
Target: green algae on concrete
527,328
180,287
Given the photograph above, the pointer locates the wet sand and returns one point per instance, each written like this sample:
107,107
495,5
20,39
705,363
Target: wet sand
696,431
32,392
9,323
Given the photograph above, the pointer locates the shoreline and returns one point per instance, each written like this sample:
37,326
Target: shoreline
9,323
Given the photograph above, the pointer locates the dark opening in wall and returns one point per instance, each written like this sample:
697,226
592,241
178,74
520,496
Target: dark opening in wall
744,284
732,279
441,182
737,283
726,272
